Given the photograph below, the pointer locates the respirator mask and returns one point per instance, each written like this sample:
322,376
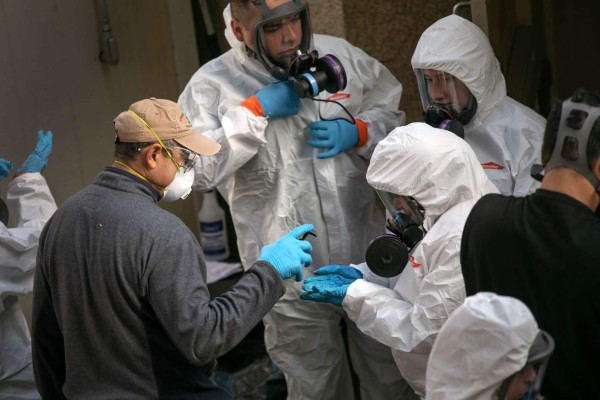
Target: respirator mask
181,186
447,102
570,150
388,254
310,73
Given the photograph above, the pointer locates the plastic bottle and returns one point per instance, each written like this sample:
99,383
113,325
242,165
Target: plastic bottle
213,228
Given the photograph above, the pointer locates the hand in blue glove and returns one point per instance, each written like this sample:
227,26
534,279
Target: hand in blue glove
38,159
338,136
288,254
330,285
5,166
278,100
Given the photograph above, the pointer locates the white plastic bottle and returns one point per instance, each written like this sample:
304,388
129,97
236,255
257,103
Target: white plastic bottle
213,228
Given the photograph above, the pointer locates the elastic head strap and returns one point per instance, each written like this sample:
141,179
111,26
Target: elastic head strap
156,136
570,150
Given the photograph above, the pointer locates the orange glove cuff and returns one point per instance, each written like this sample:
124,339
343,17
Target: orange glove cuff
253,105
362,132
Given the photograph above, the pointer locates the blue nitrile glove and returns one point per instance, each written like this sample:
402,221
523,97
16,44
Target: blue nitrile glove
330,284
279,100
289,254
337,136
38,159
5,166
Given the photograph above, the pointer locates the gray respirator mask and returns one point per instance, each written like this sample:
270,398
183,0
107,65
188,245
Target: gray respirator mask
387,255
570,151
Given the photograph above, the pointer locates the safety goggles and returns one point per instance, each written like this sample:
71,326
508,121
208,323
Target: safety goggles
190,158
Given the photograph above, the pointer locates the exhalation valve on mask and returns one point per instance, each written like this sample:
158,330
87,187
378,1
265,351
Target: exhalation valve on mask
312,75
388,254
442,116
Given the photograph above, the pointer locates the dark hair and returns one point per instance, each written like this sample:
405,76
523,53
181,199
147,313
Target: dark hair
127,151
240,9
575,120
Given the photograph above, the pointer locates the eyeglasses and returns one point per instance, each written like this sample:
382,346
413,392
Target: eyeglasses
190,158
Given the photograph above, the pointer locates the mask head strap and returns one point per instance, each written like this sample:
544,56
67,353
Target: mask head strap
570,150
156,136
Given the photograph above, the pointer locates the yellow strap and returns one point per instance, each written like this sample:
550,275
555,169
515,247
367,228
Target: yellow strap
157,138
133,171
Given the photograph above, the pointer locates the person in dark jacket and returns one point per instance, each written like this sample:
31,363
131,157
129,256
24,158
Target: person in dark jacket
543,248
121,306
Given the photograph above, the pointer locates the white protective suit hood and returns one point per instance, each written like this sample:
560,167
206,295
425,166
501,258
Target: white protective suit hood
458,47
486,340
238,48
448,170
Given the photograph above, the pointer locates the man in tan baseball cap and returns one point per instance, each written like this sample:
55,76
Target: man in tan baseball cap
152,132
149,118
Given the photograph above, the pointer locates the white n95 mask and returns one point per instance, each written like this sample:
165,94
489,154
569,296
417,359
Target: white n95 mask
180,187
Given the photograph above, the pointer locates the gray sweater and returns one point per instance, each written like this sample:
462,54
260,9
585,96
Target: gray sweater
121,307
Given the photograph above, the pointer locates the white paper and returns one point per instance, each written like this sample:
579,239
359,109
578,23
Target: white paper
217,270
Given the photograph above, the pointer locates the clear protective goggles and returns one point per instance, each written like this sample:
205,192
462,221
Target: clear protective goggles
443,89
190,158
275,22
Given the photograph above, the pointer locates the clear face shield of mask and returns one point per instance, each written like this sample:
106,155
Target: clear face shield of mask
388,254
289,57
289,26
445,99
527,383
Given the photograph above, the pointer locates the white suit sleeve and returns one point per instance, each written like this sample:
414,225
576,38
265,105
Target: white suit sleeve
381,99
221,117
524,183
385,315
30,206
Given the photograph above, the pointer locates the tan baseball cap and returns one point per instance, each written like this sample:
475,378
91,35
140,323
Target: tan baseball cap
168,122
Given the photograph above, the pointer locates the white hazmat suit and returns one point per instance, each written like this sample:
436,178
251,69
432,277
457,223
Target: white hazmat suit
30,205
485,341
506,135
441,172
273,181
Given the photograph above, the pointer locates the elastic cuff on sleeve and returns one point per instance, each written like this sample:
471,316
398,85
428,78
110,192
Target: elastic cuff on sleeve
362,132
254,106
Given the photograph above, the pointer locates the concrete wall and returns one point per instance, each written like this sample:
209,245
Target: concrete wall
52,80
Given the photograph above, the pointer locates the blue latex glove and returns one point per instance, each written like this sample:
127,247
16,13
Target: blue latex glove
338,136
279,100
289,254
38,159
330,284
5,166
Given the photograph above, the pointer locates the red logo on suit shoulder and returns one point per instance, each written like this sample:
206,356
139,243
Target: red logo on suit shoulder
492,165
339,96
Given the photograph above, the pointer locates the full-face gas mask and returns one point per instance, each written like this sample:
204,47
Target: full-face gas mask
388,254
311,74
447,102
574,129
